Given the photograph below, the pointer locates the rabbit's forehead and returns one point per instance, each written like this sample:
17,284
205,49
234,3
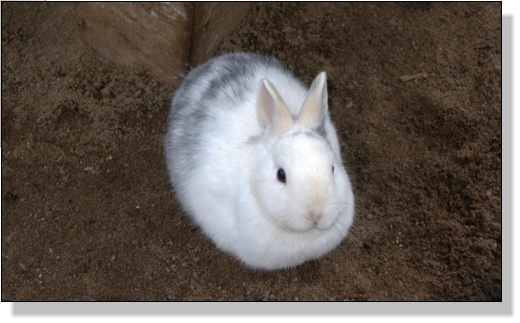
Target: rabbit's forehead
305,148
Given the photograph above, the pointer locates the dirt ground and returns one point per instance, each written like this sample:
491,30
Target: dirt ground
88,214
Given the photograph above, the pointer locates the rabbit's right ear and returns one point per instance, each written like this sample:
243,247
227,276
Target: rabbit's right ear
315,108
273,114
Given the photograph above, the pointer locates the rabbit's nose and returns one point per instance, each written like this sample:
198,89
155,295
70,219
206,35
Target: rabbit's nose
315,216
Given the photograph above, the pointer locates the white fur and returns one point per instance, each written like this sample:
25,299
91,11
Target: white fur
223,165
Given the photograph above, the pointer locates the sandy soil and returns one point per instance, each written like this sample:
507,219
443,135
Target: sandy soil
88,214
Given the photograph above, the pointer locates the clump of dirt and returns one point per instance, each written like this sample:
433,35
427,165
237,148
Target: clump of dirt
88,214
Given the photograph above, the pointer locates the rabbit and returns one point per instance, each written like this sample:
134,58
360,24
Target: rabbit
255,161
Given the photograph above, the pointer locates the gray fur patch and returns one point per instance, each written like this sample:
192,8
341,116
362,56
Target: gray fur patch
195,75
229,80
234,74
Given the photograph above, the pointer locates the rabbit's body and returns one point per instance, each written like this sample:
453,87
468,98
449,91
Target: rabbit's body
221,156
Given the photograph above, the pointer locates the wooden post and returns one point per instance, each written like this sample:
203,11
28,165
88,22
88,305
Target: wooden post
212,22
156,35
164,37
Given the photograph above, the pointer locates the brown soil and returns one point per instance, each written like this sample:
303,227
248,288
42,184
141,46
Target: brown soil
424,156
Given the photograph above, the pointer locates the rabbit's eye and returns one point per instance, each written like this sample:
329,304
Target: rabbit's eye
281,175
333,169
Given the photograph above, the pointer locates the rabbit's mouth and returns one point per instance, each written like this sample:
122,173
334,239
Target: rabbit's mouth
303,223
328,223
323,226
311,226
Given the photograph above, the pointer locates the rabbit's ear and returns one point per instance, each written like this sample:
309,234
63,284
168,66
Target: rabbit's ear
315,107
273,114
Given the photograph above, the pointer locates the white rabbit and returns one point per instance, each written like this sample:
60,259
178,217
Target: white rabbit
254,160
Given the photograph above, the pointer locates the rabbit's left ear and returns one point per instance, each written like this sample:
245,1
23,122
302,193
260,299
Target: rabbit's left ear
272,112
315,107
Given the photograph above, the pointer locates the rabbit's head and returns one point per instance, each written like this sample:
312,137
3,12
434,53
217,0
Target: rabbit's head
299,183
